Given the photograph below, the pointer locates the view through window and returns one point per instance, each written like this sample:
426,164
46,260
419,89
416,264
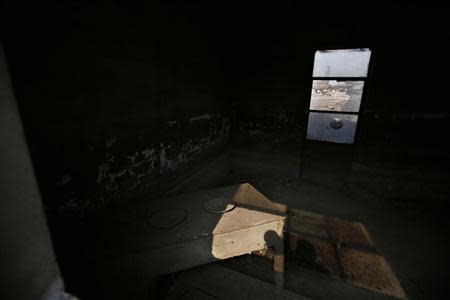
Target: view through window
339,78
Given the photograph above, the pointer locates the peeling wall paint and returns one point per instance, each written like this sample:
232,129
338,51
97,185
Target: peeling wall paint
275,119
109,142
269,126
120,173
72,206
255,132
201,117
138,165
281,116
186,152
64,180
174,154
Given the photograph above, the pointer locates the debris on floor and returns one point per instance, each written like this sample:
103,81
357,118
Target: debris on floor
326,258
370,271
339,248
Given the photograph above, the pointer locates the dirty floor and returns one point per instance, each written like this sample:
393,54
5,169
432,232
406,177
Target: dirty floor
404,208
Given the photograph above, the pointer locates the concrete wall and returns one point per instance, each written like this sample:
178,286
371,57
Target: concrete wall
122,100
406,102
119,101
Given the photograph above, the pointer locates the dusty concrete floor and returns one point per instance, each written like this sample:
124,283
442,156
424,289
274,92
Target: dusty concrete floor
404,208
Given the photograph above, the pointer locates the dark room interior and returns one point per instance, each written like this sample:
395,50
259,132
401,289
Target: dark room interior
224,150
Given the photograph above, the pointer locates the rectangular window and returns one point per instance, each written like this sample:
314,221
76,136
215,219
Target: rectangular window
341,63
339,78
334,95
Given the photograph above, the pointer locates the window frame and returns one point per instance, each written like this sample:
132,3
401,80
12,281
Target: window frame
364,94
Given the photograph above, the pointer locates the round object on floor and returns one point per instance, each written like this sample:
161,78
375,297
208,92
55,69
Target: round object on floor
167,218
219,205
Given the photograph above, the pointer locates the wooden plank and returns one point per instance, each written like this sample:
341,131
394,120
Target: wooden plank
252,209
246,240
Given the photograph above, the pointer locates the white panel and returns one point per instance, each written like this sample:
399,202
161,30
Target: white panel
337,128
335,95
341,63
